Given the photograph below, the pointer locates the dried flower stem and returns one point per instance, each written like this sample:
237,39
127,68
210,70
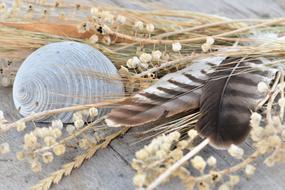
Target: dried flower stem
274,86
282,94
204,26
168,34
232,169
269,106
39,115
68,138
159,41
66,170
170,170
164,65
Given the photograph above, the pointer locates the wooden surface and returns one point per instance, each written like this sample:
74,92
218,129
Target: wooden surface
110,169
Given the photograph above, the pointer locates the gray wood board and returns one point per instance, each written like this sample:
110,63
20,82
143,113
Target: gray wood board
110,168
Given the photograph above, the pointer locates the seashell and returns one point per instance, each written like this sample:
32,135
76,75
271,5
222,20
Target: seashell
65,74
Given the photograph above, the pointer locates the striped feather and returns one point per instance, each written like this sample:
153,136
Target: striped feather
226,102
173,94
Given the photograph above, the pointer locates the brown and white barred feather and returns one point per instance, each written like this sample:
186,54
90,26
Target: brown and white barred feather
173,94
229,97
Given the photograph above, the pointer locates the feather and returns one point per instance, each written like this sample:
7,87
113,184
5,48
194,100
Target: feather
173,94
228,98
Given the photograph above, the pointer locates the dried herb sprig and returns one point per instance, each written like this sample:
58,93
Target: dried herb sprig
66,170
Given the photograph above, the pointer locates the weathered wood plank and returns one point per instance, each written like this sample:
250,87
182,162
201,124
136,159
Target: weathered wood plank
110,168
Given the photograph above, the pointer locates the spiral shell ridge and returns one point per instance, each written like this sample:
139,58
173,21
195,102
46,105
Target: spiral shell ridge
64,74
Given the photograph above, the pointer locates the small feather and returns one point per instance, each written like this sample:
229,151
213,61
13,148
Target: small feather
228,98
173,94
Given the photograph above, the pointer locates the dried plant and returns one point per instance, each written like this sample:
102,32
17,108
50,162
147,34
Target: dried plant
145,46
156,164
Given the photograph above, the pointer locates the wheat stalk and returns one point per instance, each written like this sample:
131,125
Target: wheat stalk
66,169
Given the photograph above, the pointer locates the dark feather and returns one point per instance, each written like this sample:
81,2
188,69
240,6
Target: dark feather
227,100
176,93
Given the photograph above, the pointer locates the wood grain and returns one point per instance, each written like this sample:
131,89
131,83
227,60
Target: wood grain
110,168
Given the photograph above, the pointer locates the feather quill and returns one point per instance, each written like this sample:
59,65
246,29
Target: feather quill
228,98
173,94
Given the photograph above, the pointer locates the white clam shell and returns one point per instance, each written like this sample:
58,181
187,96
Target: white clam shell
64,74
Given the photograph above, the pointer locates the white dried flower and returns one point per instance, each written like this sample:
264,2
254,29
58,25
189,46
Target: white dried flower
205,47
4,148
176,154
49,141
145,57
59,149
149,27
199,163
249,170
192,134
176,47
257,133
131,64
255,119
174,136
121,19
274,141
2,7
36,166
70,129
236,151
165,146
281,102
234,180
93,112
57,124
56,133
79,123
211,161
144,65
42,132
76,116
210,40
5,81
47,157
138,25
156,55
142,154
136,60
139,180
262,87
262,146
183,144
30,140
20,155
94,39
161,154
20,126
